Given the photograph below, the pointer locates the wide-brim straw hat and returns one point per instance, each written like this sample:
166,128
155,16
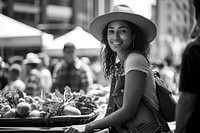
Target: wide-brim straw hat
123,12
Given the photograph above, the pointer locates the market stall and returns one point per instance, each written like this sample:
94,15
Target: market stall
15,36
85,43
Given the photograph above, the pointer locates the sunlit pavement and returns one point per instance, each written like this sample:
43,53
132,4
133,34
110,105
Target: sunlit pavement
172,125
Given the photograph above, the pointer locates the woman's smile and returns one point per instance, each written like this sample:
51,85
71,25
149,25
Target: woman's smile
116,42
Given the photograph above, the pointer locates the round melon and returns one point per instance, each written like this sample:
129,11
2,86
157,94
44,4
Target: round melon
23,109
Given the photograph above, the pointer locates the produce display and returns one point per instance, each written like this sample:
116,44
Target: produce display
16,104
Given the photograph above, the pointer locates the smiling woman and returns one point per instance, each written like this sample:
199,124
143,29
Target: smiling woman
126,37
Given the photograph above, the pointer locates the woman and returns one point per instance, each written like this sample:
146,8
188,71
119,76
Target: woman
126,37
33,83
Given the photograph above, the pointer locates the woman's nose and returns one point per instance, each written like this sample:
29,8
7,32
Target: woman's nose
116,35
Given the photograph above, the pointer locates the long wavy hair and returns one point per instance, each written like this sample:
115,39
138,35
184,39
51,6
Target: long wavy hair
108,56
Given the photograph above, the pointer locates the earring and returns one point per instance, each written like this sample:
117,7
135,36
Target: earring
133,44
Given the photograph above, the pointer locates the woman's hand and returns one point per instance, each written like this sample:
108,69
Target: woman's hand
75,129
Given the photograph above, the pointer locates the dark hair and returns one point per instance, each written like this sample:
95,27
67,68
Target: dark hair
108,56
68,45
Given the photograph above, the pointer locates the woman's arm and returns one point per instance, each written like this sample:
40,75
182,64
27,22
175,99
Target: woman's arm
135,82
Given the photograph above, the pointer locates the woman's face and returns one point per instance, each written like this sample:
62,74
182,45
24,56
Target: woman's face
119,36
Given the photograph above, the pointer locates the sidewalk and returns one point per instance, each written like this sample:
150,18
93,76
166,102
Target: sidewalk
172,125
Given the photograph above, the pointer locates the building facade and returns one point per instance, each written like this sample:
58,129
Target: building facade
56,17
174,19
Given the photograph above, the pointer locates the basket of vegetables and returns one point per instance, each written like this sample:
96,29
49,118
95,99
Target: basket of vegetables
53,110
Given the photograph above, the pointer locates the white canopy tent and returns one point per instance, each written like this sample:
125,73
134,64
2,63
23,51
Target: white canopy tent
85,43
16,34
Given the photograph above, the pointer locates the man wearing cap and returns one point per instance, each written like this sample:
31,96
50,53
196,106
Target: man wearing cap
71,72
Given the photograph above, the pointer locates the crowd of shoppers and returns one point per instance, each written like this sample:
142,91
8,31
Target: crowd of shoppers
34,75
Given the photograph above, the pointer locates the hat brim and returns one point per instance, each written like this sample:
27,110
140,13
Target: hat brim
146,26
35,61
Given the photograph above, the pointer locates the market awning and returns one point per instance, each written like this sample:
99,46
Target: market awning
85,43
16,34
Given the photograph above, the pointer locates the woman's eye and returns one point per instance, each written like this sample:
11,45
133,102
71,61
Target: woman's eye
123,31
110,31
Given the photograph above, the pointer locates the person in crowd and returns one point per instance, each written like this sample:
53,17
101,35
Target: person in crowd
71,72
187,111
3,75
167,73
126,37
33,83
30,62
52,63
16,59
14,81
46,77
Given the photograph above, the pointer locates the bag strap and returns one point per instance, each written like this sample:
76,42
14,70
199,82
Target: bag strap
163,125
111,100
158,117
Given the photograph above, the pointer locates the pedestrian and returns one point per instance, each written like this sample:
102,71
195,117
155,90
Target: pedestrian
46,77
3,75
126,37
72,72
33,83
14,81
30,62
187,111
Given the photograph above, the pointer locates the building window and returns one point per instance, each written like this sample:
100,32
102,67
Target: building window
60,2
178,6
185,18
169,6
169,18
26,1
169,31
184,7
178,17
178,30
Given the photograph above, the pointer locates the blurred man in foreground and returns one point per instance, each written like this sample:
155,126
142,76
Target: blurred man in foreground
187,113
